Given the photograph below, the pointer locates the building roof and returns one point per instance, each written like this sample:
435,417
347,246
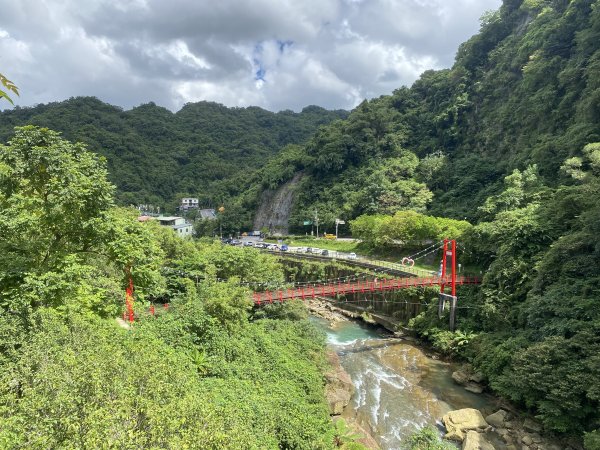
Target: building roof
208,214
168,218
144,218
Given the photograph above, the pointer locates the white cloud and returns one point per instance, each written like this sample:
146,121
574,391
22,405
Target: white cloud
277,54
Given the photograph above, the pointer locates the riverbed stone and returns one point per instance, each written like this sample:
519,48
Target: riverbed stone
549,446
527,440
474,387
460,377
532,425
498,419
459,421
476,441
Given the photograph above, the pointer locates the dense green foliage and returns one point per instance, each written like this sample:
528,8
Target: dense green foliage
428,439
405,228
533,326
207,373
156,157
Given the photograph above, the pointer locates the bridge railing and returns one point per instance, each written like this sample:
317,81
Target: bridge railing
356,287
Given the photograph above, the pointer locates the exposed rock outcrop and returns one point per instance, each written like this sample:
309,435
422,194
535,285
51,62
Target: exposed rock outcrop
476,441
275,208
460,421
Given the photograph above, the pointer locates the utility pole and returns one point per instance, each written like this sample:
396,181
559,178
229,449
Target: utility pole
317,222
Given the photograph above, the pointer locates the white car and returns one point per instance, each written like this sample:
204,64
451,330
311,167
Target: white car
352,256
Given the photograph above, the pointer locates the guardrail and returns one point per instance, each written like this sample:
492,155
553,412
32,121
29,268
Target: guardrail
358,261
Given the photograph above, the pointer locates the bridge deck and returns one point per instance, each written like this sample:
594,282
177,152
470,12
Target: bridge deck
333,289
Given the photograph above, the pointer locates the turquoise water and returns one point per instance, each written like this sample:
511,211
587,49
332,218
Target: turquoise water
346,332
399,388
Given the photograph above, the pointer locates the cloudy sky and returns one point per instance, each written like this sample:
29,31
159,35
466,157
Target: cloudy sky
278,54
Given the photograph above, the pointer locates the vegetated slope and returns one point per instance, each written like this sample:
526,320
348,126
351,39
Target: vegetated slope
155,156
509,138
208,372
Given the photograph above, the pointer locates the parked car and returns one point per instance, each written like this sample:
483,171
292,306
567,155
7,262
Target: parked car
352,255
325,252
284,248
300,249
248,244
309,249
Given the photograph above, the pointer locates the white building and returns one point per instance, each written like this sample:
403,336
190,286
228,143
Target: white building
181,227
188,203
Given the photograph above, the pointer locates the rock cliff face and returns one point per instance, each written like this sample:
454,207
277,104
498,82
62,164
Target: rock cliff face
275,208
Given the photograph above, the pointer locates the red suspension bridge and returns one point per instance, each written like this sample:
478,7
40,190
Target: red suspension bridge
333,288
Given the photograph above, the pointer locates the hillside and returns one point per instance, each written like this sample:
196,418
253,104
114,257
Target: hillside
525,90
155,156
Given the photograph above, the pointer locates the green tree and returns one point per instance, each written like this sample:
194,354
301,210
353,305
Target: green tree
55,197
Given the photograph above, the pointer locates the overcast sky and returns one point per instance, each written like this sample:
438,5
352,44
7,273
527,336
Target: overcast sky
278,54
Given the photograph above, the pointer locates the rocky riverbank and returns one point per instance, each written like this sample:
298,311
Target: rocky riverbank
497,425
500,430
507,427
338,392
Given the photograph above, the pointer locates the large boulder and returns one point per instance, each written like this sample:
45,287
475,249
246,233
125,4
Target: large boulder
460,377
460,421
476,441
498,419
467,378
474,387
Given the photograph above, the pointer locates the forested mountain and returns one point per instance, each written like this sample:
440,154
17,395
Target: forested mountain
156,156
525,90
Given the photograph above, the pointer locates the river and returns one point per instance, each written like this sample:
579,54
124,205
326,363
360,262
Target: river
399,387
